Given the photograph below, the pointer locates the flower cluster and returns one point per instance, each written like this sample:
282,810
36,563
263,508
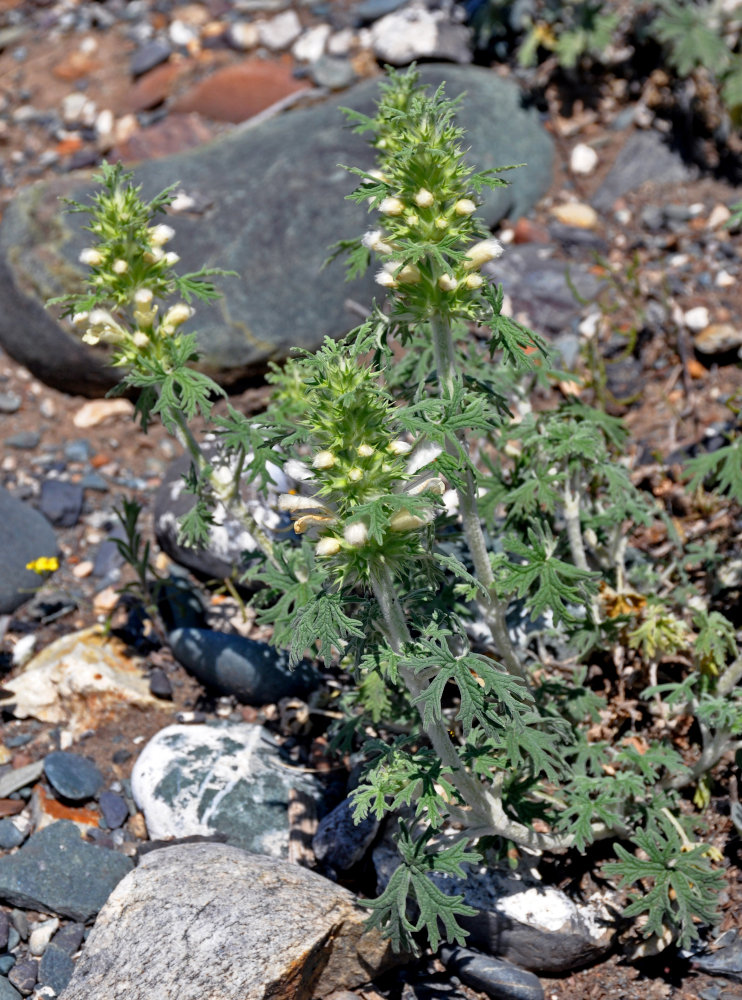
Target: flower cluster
44,564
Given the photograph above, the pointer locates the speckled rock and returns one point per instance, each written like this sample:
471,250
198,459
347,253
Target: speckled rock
274,227
212,922
227,779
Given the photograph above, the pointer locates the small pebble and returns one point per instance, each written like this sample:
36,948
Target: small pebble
574,213
6,964
114,809
159,684
10,402
697,319
499,980
280,31
583,159
72,776
23,975
24,440
311,45
56,968
82,569
724,279
243,35
69,938
97,410
41,935
4,929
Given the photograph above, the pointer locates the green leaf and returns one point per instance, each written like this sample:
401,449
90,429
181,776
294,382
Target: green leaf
722,467
322,621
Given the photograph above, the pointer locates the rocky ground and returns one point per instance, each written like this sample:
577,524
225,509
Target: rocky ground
643,236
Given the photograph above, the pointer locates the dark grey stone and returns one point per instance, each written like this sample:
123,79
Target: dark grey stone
332,72
24,440
180,605
57,872
274,227
10,402
94,481
79,450
645,156
499,980
339,842
149,55
69,937
254,672
372,10
23,975
61,502
726,961
6,964
56,968
25,535
114,808
8,992
159,684
4,929
72,776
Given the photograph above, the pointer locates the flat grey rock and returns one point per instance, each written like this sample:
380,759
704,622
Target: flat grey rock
24,536
227,779
58,872
72,776
339,842
646,156
254,672
212,922
499,980
276,203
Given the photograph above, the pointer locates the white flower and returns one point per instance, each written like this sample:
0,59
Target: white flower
391,206
293,501
474,281
365,450
159,235
385,279
120,267
482,252
423,455
171,258
373,240
404,521
356,534
91,257
411,219
295,469
447,283
424,198
140,339
355,474
80,319
153,256
400,447
143,296
323,460
441,222
176,315
409,274
464,206
327,546
90,338
433,484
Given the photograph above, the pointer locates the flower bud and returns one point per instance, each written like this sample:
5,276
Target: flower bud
411,219
404,521
327,546
385,279
356,534
400,447
153,256
473,281
120,266
409,274
143,296
159,235
176,315
81,318
464,206
140,339
355,474
323,460
481,253
171,258
90,338
365,450
424,198
391,206
441,222
447,283
91,257
373,240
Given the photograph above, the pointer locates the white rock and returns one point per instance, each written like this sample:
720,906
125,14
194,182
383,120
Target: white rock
104,124
243,35
414,32
97,410
724,279
41,935
23,649
697,319
212,922
311,45
280,31
341,42
583,159
181,33
575,213
77,108
718,216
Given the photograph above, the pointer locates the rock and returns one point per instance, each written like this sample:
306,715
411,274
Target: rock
311,45
339,842
41,935
583,159
211,922
154,87
415,32
69,938
57,872
279,221
575,213
173,134
23,440
98,410
726,960
56,968
718,216
61,502
254,672
23,975
81,680
10,402
230,779
645,156
4,929
159,684
280,31
8,992
149,55
534,926
718,338
697,319
180,605
499,980
229,542
243,35
332,72
114,809
72,776
237,93
24,536
372,10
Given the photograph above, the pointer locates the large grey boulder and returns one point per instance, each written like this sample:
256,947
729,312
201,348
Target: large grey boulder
212,922
271,201
25,535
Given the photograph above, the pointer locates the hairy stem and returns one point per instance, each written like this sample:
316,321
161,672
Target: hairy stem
571,509
493,610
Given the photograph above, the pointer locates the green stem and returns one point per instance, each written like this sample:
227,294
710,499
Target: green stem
493,610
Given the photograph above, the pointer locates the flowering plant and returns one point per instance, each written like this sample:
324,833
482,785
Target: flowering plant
433,509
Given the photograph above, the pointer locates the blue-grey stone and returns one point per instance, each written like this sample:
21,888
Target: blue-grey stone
6,964
56,968
645,156
228,779
114,808
340,842
78,450
149,55
4,929
499,980
254,672
24,536
61,502
94,481
24,440
180,605
275,225
332,72
69,937
8,992
57,872
73,776
24,974
10,402
372,10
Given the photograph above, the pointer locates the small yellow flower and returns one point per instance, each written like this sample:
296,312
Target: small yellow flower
44,564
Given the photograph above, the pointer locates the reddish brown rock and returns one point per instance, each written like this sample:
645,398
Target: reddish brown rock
239,92
527,231
173,134
76,65
154,87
